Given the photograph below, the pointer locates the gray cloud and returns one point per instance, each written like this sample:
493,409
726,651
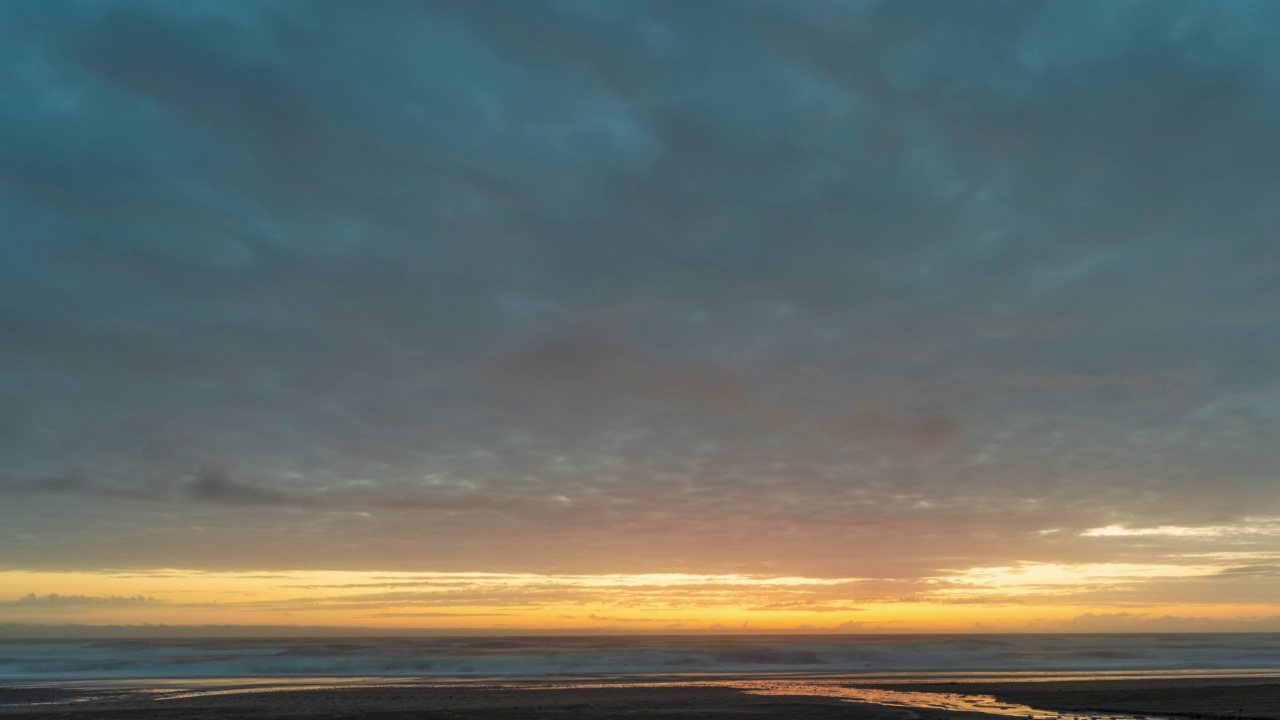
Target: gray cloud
216,486
54,601
872,289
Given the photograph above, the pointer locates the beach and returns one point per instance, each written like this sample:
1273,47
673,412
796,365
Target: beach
1202,698
921,677
1197,698
490,702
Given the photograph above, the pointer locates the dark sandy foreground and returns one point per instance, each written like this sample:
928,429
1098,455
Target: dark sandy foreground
1219,698
455,703
1208,698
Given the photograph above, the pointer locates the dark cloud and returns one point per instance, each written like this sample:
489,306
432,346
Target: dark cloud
216,486
54,600
1265,570
865,289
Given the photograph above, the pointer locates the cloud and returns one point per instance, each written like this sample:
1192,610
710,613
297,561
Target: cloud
215,485
588,368
610,618
925,434
666,592
804,606
46,631
76,484
1137,622
54,600
1252,570
434,615
1246,527
833,290
1091,381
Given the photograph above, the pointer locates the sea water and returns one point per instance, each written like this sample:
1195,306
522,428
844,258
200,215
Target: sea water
460,658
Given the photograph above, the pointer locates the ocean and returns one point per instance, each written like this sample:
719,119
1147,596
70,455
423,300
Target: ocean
460,658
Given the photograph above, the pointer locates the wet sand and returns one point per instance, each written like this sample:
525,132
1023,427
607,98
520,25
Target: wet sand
1221,698
1217,698
694,702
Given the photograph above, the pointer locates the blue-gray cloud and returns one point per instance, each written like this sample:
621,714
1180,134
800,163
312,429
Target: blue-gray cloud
851,287
54,600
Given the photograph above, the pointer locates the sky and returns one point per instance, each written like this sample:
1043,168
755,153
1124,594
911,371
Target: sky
641,315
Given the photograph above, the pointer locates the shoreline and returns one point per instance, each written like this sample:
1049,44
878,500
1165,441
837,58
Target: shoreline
1244,697
1219,698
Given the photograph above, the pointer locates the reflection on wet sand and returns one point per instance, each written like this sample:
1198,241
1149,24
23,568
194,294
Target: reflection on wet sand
952,702
907,700
948,702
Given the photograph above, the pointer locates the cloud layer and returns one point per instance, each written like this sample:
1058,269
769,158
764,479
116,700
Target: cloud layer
837,289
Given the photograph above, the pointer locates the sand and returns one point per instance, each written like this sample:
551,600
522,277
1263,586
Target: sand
1216,699
1210,698
430,703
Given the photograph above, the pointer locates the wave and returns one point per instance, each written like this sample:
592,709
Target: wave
561,656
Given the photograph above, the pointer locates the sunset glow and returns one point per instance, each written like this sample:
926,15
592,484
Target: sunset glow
1033,597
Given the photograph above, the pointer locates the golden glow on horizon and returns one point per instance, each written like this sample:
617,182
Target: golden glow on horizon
1031,578
1265,526
1023,597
